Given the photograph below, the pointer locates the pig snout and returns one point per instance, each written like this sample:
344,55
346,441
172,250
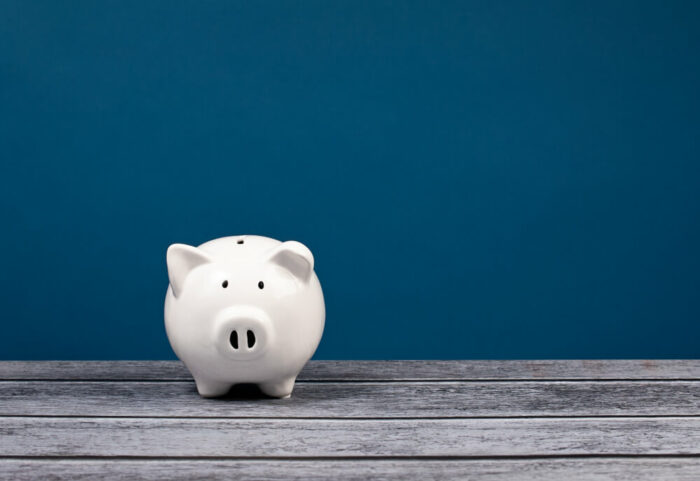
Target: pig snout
242,332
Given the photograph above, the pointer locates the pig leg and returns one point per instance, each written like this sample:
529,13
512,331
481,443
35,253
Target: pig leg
281,389
207,388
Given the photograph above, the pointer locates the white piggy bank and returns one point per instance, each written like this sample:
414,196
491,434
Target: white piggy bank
243,309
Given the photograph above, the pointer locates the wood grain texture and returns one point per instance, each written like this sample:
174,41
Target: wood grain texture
372,370
491,420
620,469
341,438
342,400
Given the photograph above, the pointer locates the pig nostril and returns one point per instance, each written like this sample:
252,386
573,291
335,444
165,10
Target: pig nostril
251,339
233,339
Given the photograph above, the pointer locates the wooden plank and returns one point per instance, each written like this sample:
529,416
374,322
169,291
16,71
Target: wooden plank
343,400
373,370
165,437
622,469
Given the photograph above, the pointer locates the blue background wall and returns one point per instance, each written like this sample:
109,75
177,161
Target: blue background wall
476,179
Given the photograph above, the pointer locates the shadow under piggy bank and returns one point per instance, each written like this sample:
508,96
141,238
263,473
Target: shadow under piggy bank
240,392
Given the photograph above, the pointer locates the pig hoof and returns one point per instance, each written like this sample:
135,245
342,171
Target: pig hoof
212,388
281,389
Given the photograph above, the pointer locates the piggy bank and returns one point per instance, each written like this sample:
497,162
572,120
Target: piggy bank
243,309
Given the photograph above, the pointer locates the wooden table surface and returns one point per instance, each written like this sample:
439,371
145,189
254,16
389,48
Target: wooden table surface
494,420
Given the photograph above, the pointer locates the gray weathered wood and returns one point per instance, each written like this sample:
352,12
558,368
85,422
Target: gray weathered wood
22,436
491,420
380,400
373,370
621,469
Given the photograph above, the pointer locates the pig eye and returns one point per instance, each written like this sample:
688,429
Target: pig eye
240,241
261,284
224,284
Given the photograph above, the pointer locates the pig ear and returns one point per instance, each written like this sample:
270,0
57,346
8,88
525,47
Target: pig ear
181,260
295,257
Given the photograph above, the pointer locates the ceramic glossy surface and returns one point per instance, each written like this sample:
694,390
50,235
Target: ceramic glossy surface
243,309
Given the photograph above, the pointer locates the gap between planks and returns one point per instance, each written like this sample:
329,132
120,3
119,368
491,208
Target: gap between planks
358,418
637,469
370,381
368,457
